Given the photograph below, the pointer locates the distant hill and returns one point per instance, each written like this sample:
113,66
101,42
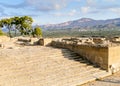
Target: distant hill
85,23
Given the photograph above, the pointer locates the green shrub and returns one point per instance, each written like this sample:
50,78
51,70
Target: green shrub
37,32
1,32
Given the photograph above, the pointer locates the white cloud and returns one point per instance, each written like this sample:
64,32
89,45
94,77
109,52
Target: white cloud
90,2
115,10
57,6
110,0
40,5
85,9
57,14
48,4
72,13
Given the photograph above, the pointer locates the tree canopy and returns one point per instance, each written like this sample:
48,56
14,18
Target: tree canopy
22,24
7,23
25,24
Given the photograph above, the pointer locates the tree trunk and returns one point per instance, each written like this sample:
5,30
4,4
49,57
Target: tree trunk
15,32
10,33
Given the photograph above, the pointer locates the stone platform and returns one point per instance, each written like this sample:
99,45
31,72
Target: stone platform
45,66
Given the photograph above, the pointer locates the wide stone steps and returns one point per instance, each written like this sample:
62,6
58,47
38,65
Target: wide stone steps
45,66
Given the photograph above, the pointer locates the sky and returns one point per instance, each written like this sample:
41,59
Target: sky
58,11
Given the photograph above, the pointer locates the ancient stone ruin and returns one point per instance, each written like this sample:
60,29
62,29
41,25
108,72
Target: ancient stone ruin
99,51
25,62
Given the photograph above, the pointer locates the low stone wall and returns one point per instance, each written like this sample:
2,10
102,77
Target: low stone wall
35,41
95,54
47,41
24,39
107,57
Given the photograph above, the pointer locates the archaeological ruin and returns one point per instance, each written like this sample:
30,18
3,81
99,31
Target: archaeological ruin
26,61
103,52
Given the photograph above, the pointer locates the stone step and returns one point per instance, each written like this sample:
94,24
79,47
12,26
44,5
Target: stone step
72,78
75,71
55,67
78,80
90,77
65,54
73,81
52,69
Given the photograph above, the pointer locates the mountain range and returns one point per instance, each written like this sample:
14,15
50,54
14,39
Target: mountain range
85,23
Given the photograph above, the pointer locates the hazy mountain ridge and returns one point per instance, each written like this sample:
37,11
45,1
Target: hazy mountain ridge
85,23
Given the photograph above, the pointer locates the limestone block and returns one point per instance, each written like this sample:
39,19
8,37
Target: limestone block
1,45
98,40
47,41
24,39
41,41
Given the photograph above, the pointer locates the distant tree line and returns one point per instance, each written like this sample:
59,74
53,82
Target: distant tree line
22,24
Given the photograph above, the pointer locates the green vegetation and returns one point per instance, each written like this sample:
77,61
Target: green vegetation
1,32
66,33
37,32
25,25
6,23
22,24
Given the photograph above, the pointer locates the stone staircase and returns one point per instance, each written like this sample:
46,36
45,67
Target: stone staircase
46,66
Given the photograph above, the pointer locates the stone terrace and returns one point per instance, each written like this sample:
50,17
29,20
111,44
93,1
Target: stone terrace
45,66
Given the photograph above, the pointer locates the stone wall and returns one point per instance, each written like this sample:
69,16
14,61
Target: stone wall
47,41
95,54
105,56
33,41
114,58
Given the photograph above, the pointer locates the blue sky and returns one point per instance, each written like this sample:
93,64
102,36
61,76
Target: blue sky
57,11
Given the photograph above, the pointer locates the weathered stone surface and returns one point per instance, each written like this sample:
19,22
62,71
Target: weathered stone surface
102,53
41,41
98,40
24,39
1,46
4,39
45,66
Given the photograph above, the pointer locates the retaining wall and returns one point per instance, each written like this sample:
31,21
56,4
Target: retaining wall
106,57
114,58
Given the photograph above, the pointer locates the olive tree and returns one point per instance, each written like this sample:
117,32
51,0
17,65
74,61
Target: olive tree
7,23
22,24
25,25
